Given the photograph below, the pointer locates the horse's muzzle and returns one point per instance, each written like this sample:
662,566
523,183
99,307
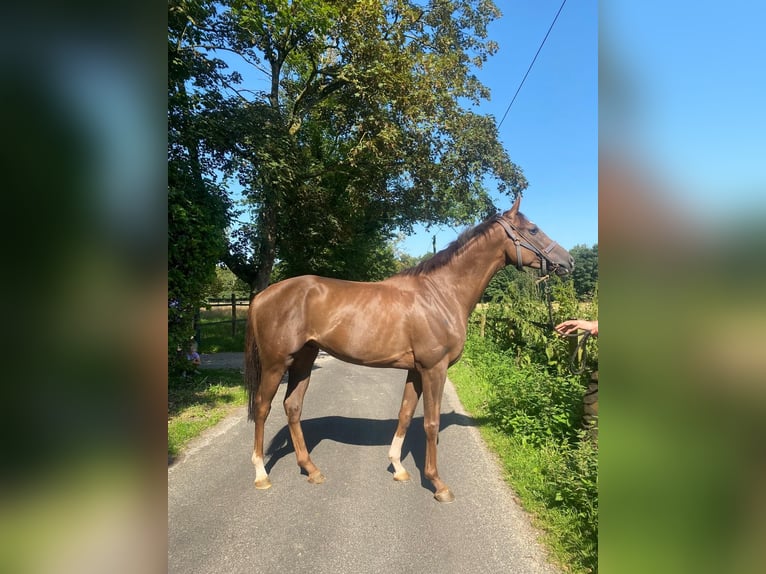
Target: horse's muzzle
564,269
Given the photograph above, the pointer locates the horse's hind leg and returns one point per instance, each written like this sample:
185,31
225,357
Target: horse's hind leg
269,384
412,391
299,376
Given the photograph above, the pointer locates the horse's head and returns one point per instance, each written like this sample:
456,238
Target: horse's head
530,247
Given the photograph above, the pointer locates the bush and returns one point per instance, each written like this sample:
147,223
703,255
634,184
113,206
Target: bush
573,476
536,406
576,480
519,321
516,375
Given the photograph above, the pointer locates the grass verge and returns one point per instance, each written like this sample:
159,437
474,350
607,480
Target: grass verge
538,473
199,401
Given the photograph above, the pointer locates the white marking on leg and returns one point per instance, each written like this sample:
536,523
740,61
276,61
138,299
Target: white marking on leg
260,470
395,456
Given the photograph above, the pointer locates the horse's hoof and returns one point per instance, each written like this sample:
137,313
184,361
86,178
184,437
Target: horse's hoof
316,478
403,476
263,484
445,495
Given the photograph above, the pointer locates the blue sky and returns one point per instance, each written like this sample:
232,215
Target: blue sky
551,131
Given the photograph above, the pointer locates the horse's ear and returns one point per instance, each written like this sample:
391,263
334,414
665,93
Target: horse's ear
514,210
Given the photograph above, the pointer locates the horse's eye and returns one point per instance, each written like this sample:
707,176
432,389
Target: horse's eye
534,230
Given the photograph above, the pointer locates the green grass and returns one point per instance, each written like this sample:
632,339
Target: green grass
216,338
215,330
198,402
546,477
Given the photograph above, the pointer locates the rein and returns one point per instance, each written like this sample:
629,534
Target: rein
548,298
520,241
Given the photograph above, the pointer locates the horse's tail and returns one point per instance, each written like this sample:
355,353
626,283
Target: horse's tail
252,368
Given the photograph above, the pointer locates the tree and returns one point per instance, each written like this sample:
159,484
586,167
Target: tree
226,283
361,127
585,273
197,209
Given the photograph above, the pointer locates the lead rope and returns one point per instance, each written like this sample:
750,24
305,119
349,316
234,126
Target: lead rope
547,290
579,349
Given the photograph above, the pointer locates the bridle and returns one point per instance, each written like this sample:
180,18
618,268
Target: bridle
520,240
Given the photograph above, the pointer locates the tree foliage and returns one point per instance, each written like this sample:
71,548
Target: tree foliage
359,128
226,283
585,273
196,208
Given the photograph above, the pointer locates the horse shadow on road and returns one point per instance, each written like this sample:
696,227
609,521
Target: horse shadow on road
363,432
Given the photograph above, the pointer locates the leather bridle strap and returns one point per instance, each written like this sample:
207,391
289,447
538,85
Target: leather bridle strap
520,241
515,238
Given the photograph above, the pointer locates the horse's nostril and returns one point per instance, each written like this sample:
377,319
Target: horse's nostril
571,262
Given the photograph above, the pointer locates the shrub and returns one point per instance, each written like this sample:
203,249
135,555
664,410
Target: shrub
537,406
518,378
573,476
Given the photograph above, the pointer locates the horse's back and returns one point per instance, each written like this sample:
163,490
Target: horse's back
289,293
310,302
364,323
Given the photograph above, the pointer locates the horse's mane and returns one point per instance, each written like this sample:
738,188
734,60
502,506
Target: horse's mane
440,259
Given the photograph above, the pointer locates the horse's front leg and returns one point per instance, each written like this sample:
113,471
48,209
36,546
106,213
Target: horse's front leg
433,387
412,390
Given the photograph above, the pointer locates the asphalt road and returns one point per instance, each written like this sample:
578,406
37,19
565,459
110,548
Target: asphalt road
360,520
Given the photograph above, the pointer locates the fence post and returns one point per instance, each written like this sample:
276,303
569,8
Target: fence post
233,315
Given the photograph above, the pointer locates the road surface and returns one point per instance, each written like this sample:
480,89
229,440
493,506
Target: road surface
360,520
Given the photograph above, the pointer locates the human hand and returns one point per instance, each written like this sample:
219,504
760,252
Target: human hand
573,325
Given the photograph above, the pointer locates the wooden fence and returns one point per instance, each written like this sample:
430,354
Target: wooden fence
232,302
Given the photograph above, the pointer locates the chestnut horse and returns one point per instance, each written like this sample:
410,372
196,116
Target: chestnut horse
415,320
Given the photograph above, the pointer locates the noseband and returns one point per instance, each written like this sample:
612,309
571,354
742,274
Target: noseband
520,241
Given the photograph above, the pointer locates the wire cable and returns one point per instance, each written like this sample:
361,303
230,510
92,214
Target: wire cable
532,64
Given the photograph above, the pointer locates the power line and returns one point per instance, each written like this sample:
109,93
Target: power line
532,64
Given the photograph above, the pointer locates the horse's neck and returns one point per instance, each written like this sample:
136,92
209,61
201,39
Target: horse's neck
470,271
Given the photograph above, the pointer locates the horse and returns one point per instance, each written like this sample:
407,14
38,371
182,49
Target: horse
415,320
